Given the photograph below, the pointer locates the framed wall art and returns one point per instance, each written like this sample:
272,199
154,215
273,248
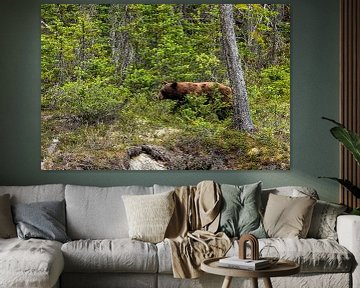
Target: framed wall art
165,86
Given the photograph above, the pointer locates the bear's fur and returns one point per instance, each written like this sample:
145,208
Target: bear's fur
178,90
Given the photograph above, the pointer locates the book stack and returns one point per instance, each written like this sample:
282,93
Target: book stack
248,264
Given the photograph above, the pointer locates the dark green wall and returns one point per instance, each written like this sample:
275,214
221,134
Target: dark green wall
314,94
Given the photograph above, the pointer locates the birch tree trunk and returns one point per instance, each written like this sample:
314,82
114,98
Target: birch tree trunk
242,118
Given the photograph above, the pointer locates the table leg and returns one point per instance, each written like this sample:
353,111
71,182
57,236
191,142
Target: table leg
254,282
267,283
227,282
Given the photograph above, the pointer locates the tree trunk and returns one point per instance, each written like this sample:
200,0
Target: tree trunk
122,52
275,33
242,117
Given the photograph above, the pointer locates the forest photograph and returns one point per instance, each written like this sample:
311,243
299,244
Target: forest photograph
165,86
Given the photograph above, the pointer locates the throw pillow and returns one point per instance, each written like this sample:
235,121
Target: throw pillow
240,213
7,227
149,215
288,217
323,222
291,191
43,220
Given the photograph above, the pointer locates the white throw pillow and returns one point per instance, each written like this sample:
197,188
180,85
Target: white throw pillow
149,215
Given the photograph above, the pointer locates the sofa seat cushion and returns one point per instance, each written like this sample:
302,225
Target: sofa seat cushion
30,263
313,255
110,255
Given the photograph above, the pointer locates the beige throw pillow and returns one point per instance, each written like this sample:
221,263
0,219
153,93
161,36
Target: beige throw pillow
7,226
288,217
149,215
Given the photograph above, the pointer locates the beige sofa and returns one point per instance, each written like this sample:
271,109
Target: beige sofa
101,254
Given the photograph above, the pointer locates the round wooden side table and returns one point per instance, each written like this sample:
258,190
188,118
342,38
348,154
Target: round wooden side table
281,268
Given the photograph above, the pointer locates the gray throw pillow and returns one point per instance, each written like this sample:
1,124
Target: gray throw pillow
240,213
323,222
44,220
7,227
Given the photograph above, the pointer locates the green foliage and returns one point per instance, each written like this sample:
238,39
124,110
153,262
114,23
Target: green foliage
72,45
265,34
348,138
90,102
167,46
355,211
196,108
140,80
270,101
276,80
351,141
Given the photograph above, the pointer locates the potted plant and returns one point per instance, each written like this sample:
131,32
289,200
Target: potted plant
351,141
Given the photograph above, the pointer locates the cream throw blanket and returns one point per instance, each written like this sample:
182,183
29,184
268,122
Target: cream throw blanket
191,231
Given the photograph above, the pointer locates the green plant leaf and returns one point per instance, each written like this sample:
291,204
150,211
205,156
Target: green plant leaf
348,185
349,139
333,121
355,211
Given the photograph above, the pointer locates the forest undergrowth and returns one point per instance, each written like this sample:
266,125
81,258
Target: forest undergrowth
100,138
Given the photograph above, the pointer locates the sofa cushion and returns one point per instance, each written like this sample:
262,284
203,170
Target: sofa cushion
313,255
109,280
323,222
291,191
43,220
164,257
30,263
149,215
163,188
240,212
7,227
287,216
116,255
98,213
35,193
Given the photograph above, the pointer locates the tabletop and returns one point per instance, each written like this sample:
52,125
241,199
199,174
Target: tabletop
281,268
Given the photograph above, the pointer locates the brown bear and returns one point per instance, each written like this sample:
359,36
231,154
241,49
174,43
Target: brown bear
178,90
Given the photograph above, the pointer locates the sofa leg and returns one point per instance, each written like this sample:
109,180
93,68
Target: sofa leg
267,282
227,282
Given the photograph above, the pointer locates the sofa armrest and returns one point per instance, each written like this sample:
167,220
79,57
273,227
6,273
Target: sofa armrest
348,230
